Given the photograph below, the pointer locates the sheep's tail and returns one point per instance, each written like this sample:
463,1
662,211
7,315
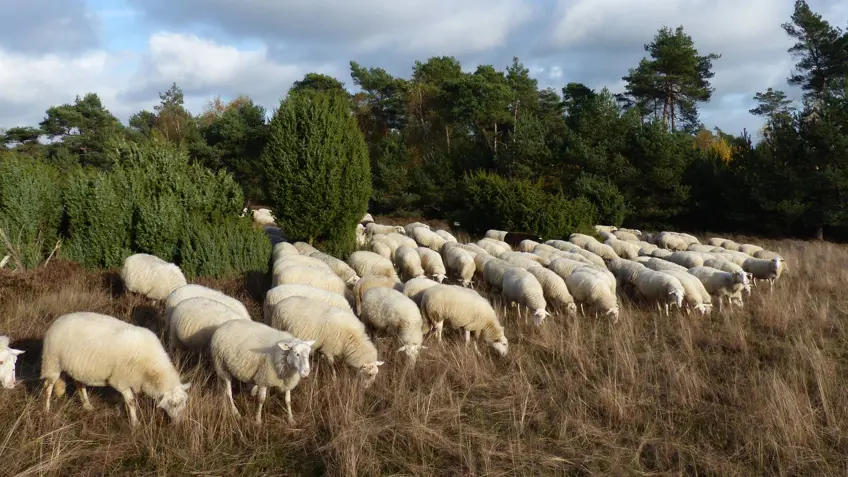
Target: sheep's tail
59,387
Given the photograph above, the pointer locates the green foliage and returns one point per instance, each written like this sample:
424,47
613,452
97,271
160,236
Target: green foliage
86,129
610,202
492,201
223,248
316,167
30,207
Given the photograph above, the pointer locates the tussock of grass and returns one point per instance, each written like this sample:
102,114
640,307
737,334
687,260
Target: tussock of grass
760,391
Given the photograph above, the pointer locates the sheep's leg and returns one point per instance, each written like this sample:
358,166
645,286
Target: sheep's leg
439,326
48,383
467,337
288,406
86,404
332,363
254,390
771,285
228,388
263,393
582,313
129,400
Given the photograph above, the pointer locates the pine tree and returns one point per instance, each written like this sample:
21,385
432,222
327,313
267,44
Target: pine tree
316,169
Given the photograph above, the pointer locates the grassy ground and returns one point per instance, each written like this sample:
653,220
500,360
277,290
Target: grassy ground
757,392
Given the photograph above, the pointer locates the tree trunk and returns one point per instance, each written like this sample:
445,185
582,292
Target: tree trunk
496,137
447,135
820,232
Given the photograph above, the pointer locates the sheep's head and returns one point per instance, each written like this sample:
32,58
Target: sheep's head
702,308
369,373
411,351
737,301
297,356
740,277
399,229
676,296
539,316
439,277
571,309
613,313
8,358
174,401
501,345
775,264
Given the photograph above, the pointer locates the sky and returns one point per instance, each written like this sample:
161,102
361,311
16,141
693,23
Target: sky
128,51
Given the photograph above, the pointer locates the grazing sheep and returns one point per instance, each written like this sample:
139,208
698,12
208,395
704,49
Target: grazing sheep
373,228
361,238
195,291
730,245
696,247
389,310
626,235
337,333
339,267
8,358
428,238
495,234
316,277
661,288
628,250
492,246
695,295
606,228
382,249
257,354
409,262
281,292
521,287
480,262
527,246
603,274
460,263
562,245
668,241
766,254
369,263
625,271
716,241
658,264
263,217
749,249
304,248
762,269
721,284
493,272
432,264
523,260
689,259
415,288
591,289
565,266
299,261
446,235
192,322
366,219
151,276
414,225
592,258
283,249
368,283
581,240
473,248
403,240
555,289
96,350
463,309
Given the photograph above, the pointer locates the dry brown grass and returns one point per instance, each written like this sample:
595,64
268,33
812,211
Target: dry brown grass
757,392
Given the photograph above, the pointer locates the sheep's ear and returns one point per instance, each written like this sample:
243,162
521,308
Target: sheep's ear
402,348
16,351
379,363
284,345
310,343
186,386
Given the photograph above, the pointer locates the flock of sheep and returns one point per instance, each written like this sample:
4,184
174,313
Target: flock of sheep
394,285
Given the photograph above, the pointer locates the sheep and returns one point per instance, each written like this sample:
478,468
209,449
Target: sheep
721,284
480,262
638,233
299,261
408,228
263,217
381,249
368,283
369,263
392,311
736,257
283,249
527,246
432,263
193,320
361,238
409,262
521,287
766,254
565,266
447,236
658,264
562,245
695,295
522,260
415,288
720,263
661,253
401,239
260,355
495,234
592,290
96,350
463,309
716,241
689,259
339,267
581,240
194,291
375,228
493,272
730,245
602,273
671,242
749,249
460,263
555,290
762,269
696,247
661,288
626,236
281,292
366,219
8,358
593,258
304,248
492,247
316,277
151,276
628,250
513,239
625,271
606,228
605,235
473,248
337,333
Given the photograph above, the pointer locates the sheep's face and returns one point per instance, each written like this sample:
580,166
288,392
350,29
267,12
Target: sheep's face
174,402
539,316
676,297
440,277
400,230
369,373
8,358
701,308
571,309
411,351
297,356
501,345
740,277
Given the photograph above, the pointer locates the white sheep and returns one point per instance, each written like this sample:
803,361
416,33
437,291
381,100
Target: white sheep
696,247
522,260
581,239
428,238
721,284
623,249
749,249
195,291
8,358
96,350
382,249
762,269
689,259
281,292
671,242
460,263
339,267
626,235
495,234
446,235
658,264
391,311
625,271
521,287
661,288
463,309
283,249
361,238
373,228
257,354
304,248
432,263
409,262
493,272
730,245
492,246
415,288
473,248
606,228
151,276
527,245
591,289
480,261
316,277
263,217
716,241
193,320
298,261
366,219
414,225
401,239
337,333
369,282
367,263
565,266
555,289
695,295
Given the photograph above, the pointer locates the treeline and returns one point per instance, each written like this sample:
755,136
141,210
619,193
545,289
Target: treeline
491,149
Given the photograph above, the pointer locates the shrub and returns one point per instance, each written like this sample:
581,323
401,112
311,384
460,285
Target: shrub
603,193
491,201
316,169
226,248
30,207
